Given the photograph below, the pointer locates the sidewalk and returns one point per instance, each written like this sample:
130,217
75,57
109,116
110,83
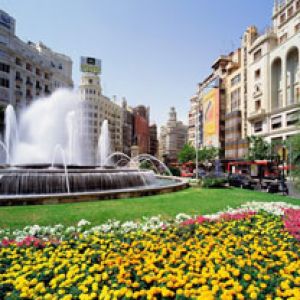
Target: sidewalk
292,191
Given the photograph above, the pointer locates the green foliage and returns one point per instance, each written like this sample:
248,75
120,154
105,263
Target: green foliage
258,148
295,146
175,171
207,154
188,153
146,165
213,181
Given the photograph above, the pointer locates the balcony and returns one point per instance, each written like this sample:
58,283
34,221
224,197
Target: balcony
19,93
29,83
19,79
259,114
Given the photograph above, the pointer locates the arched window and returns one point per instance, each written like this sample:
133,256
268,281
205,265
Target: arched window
292,65
276,83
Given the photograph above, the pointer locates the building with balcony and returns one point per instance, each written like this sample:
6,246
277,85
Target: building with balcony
274,75
173,136
28,70
128,121
141,130
153,140
95,109
259,84
208,105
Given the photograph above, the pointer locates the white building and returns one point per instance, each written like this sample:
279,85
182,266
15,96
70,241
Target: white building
28,70
172,138
274,75
96,109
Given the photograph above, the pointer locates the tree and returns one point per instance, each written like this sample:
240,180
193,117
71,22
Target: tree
187,153
258,148
207,154
295,158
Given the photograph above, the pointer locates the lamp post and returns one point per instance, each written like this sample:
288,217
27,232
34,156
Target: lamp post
196,140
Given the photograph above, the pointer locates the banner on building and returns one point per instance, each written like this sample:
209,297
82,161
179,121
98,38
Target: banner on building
90,65
211,118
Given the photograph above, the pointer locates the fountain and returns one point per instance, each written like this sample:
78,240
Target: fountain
104,144
11,133
45,152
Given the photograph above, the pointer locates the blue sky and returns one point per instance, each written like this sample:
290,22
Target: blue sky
153,52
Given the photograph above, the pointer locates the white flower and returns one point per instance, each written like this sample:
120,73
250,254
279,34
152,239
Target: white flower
33,230
70,229
182,217
83,222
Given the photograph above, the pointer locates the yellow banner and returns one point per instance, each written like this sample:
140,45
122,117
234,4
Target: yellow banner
210,115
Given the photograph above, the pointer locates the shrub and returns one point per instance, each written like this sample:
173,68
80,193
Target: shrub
214,181
175,171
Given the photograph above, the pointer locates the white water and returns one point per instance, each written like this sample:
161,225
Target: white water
11,138
104,144
46,123
63,156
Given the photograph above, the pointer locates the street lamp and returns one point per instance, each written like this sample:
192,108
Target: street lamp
196,141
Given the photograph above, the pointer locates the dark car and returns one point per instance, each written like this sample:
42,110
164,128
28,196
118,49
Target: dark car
240,180
278,187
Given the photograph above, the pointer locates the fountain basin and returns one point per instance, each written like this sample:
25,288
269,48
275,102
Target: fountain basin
31,181
160,185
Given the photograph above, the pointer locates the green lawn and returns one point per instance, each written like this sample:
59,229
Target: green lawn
192,201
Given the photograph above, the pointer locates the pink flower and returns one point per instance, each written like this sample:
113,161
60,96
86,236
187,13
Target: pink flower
197,220
291,222
237,216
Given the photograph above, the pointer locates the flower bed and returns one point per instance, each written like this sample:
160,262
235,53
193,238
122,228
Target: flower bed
247,253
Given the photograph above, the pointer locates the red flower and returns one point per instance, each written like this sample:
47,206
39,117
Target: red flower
291,222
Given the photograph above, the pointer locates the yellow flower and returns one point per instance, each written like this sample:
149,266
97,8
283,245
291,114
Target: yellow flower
247,277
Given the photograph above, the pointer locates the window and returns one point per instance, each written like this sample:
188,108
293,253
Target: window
258,126
257,74
18,76
257,55
236,79
4,67
283,38
28,67
282,18
18,61
276,122
4,82
38,71
298,4
235,99
257,105
290,11
46,76
90,81
292,118
297,27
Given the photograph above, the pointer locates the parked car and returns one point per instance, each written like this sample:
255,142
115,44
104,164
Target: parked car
278,187
241,180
